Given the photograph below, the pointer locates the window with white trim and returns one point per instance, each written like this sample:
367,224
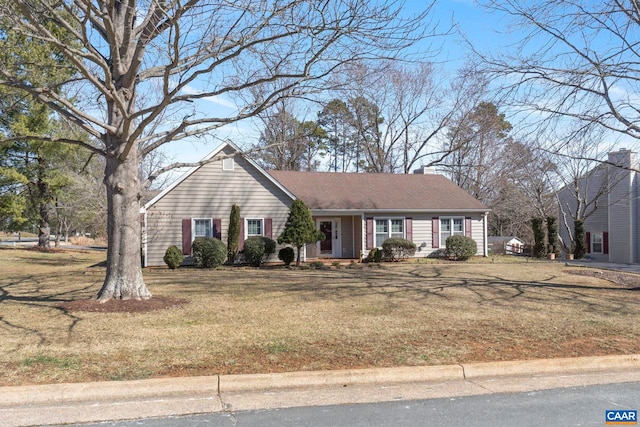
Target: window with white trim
255,227
596,243
388,227
202,227
450,227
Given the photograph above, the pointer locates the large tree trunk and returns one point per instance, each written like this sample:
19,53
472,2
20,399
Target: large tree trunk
124,268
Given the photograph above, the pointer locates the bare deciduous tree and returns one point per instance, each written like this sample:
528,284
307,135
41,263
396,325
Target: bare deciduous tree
571,61
400,111
134,61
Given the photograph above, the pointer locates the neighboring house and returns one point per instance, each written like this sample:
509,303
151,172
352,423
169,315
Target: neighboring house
611,194
355,211
507,245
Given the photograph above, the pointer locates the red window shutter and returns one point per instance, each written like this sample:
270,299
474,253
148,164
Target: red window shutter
467,226
241,239
186,236
217,228
268,228
435,232
408,223
588,242
605,242
369,233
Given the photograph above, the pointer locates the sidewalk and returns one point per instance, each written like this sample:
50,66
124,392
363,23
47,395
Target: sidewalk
107,401
627,268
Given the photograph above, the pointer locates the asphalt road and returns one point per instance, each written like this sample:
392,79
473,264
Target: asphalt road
575,406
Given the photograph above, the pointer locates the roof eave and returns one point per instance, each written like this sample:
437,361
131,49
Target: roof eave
318,212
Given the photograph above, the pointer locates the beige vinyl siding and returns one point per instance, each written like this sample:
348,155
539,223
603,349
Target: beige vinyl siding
422,230
209,192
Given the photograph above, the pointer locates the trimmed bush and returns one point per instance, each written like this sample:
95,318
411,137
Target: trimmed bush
257,249
552,236
287,255
173,257
395,248
539,238
461,248
209,252
375,255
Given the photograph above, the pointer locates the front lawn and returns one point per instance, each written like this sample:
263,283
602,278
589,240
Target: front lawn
274,319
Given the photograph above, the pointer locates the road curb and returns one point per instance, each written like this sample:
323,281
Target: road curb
235,383
106,390
104,401
567,365
213,385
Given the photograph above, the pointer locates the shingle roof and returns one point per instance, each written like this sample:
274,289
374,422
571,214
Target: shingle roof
376,191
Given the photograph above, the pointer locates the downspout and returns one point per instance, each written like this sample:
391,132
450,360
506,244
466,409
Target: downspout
363,243
484,225
144,236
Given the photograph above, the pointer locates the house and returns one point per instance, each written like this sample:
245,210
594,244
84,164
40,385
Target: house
609,195
507,245
356,212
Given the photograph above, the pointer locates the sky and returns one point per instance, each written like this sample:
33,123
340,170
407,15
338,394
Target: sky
469,18
487,31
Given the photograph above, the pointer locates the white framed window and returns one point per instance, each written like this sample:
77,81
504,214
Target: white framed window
388,227
254,227
450,227
596,243
202,227
228,164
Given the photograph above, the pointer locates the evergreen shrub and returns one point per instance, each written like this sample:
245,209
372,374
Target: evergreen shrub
287,255
257,249
173,257
395,248
460,248
375,255
209,252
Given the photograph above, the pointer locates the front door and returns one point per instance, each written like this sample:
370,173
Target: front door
330,246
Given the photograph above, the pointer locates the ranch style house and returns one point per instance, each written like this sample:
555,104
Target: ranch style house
355,211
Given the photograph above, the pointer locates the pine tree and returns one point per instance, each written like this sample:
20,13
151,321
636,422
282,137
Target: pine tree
300,229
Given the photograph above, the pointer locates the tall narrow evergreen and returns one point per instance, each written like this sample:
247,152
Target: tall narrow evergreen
233,236
300,229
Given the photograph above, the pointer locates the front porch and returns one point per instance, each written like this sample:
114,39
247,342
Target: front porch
343,238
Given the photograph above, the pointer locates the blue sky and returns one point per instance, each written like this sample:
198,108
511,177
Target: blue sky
471,20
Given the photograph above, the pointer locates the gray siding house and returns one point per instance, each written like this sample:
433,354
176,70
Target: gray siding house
610,194
355,211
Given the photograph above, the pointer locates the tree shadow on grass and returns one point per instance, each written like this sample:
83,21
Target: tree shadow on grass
427,284
36,292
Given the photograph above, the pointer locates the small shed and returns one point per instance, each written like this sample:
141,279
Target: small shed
505,245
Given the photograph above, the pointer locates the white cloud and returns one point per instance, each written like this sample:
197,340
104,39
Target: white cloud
217,100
